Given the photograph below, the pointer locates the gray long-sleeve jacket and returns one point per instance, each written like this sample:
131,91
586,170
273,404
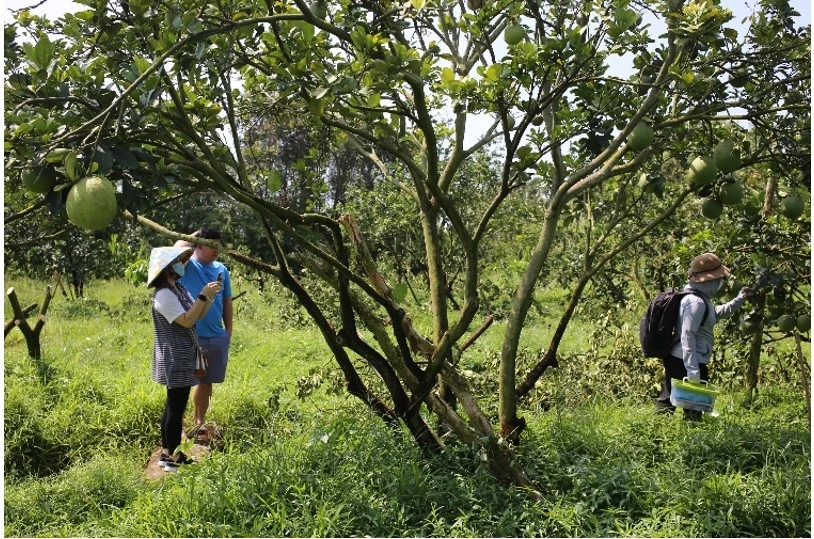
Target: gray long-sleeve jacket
695,345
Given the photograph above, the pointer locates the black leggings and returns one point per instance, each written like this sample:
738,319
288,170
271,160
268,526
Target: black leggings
172,421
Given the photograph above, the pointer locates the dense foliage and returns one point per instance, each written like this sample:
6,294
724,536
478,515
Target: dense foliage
280,109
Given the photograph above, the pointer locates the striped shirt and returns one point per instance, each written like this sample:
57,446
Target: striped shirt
174,349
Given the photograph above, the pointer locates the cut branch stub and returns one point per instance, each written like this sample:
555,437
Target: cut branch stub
13,320
32,336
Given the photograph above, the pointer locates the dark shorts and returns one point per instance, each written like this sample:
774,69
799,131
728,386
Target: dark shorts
218,348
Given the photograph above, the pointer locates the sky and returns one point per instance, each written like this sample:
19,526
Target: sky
54,8
740,8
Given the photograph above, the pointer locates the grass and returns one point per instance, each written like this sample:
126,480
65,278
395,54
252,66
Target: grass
80,424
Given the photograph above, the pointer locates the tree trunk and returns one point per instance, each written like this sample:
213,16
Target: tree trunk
521,302
805,373
753,361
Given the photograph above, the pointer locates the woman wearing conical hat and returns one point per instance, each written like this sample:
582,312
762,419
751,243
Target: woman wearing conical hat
175,348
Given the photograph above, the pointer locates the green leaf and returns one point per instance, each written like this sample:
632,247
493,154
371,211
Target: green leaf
103,160
274,180
22,129
184,447
43,53
493,72
307,30
124,157
400,292
139,7
70,166
142,64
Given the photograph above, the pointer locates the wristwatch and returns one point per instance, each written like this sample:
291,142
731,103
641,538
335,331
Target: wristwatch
203,298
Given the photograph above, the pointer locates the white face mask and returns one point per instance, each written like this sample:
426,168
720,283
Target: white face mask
178,268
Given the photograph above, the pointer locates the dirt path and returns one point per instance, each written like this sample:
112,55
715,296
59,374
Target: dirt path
198,452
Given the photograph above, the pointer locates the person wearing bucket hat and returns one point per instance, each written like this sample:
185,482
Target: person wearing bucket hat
692,351
175,347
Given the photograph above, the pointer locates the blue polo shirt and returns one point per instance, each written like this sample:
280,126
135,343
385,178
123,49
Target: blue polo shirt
196,275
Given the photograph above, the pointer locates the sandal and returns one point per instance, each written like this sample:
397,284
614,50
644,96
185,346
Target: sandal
201,433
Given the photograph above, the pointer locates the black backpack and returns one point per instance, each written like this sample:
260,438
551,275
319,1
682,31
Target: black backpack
657,328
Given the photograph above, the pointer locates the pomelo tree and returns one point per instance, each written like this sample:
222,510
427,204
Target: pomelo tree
159,97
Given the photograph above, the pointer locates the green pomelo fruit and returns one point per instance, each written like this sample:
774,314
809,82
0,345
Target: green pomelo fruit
727,158
39,179
803,137
786,323
804,323
641,137
731,193
514,34
91,203
711,208
474,4
702,170
510,121
537,120
792,207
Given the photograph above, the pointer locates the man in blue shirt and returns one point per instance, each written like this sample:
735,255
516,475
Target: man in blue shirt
215,329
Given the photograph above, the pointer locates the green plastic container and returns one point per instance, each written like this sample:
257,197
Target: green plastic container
693,396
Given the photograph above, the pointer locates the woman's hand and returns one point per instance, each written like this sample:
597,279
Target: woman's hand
746,292
210,289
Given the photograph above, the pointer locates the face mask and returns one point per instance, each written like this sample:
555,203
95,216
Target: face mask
718,285
178,268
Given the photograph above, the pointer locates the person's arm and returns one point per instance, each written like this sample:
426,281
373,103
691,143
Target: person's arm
227,315
726,310
200,307
195,313
692,314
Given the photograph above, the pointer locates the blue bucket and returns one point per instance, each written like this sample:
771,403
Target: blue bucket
693,396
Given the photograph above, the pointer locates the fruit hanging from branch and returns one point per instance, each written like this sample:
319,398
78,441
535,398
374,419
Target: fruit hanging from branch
726,157
792,207
641,137
702,170
91,203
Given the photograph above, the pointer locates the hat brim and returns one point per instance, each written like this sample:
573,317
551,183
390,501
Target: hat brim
719,273
162,257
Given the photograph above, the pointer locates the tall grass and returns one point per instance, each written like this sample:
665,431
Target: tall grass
80,424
